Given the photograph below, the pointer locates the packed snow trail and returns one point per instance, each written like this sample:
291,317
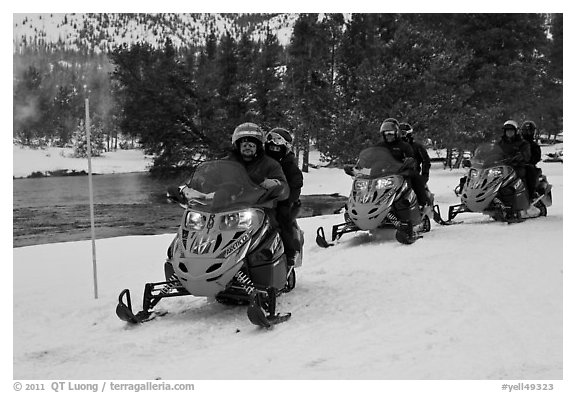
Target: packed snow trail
480,300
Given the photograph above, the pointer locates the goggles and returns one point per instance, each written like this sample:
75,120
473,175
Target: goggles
276,139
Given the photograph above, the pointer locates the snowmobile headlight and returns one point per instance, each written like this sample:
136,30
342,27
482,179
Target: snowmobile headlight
194,221
361,185
495,172
473,173
384,183
244,219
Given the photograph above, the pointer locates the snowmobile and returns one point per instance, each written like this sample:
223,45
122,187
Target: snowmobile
226,247
381,198
492,187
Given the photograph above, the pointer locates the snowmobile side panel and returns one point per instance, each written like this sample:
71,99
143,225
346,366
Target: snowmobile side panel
515,195
406,209
272,274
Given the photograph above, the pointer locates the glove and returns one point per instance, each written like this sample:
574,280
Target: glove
270,183
349,169
409,163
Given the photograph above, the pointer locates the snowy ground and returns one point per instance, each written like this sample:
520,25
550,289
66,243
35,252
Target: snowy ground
480,304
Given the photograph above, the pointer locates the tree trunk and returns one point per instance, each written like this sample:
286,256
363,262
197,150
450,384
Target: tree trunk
306,151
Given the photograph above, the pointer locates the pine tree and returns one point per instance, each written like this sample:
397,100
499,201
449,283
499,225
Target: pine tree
309,83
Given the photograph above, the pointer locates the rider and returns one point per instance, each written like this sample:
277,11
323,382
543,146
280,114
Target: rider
516,149
248,149
403,152
420,153
278,146
528,130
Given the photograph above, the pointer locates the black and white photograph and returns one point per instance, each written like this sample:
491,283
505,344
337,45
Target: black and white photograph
341,198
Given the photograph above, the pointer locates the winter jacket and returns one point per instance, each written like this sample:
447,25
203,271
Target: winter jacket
400,150
535,151
422,159
263,167
293,176
516,149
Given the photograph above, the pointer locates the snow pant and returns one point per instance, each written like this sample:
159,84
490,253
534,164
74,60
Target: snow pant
531,179
418,184
286,215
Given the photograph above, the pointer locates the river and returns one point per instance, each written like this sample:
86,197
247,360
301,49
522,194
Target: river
56,209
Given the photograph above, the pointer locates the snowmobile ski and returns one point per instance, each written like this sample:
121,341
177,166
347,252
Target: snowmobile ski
153,293
257,316
439,220
124,310
321,238
260,304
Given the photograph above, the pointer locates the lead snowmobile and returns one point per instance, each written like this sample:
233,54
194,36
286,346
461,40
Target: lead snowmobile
381,198
492,187
225,247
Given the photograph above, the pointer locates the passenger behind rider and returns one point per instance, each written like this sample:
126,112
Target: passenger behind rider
420,153
423,163
248,149
515,148
278,145
403,152
528,131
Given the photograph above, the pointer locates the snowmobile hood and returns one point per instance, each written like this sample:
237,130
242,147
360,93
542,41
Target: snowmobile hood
488,155
376,186
222,185
377,161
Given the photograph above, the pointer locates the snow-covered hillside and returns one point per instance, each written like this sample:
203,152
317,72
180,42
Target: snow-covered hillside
480,303
108,30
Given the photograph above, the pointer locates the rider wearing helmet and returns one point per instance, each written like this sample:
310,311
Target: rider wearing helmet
278,145
248,149
528,131
420,153
402,151
516,149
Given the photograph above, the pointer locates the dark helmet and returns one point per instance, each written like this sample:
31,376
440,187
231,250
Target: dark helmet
528,129
388,126
406,131
278,142
248,131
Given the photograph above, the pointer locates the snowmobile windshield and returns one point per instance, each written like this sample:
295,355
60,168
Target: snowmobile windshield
224,185
377,161
488,155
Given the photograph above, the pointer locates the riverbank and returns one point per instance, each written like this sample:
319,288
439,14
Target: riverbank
57,161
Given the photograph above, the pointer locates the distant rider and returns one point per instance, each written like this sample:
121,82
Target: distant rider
278,145
403,152
516,149
420,152
528,130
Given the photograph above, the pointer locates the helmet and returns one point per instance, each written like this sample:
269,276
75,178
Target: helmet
278,142
390,125
280,137
248,131
528,129
510,124
406,130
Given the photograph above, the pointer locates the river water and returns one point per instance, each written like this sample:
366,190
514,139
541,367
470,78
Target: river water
56,209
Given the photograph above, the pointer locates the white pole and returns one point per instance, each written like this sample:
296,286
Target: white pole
89,150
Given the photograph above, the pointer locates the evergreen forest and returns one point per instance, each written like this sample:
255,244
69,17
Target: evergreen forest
454,77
